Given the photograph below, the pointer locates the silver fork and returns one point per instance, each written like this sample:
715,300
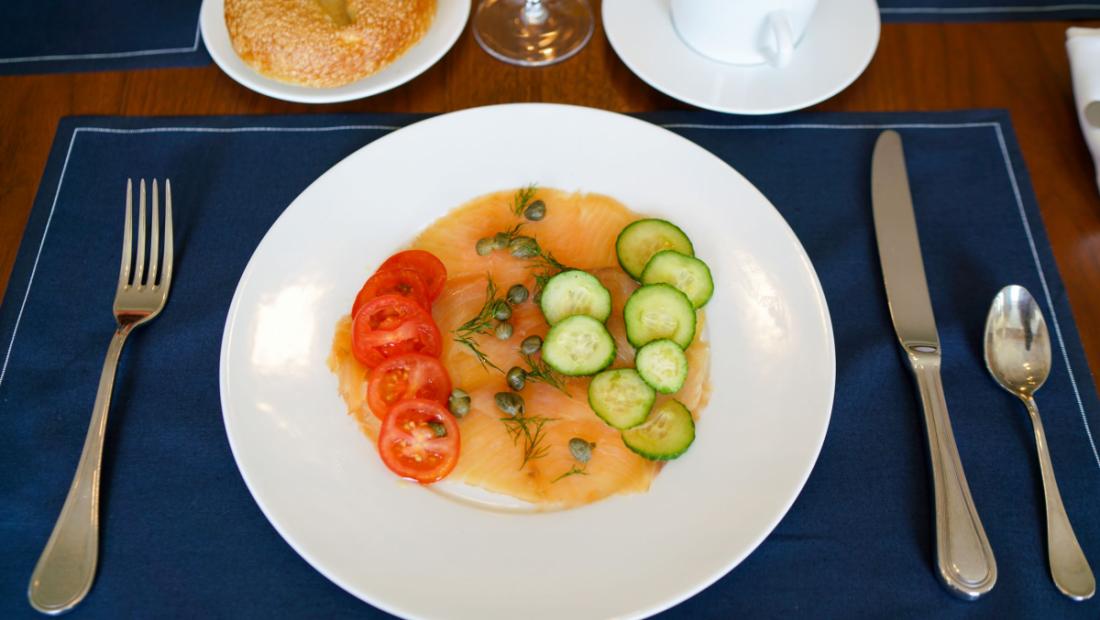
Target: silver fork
66,568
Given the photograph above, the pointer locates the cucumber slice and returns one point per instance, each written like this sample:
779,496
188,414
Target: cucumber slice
578,345
667,433
639,241
574,292
659,311
687,273
663,365
620,397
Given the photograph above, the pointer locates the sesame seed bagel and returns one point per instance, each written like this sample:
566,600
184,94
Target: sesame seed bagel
324,43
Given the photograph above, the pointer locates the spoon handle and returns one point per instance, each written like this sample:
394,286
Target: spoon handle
1068,566
963,554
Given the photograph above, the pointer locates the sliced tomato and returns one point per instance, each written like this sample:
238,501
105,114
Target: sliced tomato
392,325
419,440
403,282
408,376
431,269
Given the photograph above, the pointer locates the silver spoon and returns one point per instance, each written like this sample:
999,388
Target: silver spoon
1017,354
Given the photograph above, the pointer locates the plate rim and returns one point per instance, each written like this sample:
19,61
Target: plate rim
314,562
212,25
647,77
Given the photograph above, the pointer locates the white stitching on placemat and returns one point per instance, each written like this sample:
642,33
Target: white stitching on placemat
831,126
995,125
34,267
1046,289
257,129
111,130
156,52
1019,205
963,10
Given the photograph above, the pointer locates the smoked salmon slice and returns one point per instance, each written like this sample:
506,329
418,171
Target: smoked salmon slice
579,230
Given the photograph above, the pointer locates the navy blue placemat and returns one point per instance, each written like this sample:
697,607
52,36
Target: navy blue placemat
183,538
986,10
49,36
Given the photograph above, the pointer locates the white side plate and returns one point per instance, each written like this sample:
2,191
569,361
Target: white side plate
449,21
416,553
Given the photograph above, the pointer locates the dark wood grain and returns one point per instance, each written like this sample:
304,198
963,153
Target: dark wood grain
1021,66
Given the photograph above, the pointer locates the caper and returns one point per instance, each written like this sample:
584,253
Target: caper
438,429
530,345
459,403
535,211
503,330
509,402
485,246
517,294
581,449
500,241
516,378
502,312
524,247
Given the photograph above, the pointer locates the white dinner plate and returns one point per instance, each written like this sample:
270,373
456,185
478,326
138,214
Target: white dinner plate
450,19
838,44
418,553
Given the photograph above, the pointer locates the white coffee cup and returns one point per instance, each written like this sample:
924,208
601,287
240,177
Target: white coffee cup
743,32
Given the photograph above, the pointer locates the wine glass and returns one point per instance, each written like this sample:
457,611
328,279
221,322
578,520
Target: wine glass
533,32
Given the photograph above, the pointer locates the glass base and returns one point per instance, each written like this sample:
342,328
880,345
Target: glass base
533,33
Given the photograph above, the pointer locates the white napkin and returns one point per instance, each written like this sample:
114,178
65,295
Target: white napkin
1083,45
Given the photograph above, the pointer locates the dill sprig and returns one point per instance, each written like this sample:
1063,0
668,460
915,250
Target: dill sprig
471,344
541,261
539,371
513,232
482,323
551,262
545,267
532,429
522,198
545,262
581,450
573,471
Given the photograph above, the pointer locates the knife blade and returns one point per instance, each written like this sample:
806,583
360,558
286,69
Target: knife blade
964,559
899,247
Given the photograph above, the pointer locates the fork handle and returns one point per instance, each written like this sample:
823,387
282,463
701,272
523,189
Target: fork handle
66,568
964,558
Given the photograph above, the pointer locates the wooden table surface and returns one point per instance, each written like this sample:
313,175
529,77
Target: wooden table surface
1021,66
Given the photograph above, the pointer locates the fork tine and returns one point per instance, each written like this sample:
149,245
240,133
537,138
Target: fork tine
127,248
139,268
154,231
166,278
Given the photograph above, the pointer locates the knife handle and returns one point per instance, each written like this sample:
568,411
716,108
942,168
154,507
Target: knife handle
963,555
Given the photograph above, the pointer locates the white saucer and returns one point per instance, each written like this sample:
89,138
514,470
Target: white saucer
450,19
838,45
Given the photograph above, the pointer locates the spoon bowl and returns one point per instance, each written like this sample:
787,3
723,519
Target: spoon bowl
1017,344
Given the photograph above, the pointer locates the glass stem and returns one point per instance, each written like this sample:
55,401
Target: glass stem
534,12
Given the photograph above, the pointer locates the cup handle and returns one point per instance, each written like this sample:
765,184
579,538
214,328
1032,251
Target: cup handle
780,27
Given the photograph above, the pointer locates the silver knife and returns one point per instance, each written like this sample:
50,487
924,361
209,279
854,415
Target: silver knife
963,555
